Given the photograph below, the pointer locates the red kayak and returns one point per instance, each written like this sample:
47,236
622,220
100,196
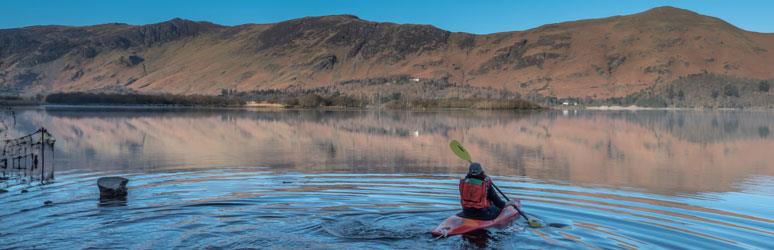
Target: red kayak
455,225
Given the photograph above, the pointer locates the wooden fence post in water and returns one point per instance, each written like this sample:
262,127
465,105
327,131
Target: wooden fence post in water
42,153
19,156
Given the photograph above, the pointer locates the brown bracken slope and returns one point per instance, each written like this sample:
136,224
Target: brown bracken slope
600,58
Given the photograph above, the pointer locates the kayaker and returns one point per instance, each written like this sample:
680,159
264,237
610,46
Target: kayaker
478,198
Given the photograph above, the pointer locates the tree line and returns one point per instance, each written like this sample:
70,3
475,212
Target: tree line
81,98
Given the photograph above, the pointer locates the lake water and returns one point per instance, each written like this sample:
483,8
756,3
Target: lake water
220,178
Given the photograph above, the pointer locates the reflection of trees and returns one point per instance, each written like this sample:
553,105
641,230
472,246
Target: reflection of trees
653,150
763,131
701,126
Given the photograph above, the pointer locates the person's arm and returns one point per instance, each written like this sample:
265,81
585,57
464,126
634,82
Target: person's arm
491,194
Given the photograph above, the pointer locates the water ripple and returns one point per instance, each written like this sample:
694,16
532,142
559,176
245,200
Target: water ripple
234,208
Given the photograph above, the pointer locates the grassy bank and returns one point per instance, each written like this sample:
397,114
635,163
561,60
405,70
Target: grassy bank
468,103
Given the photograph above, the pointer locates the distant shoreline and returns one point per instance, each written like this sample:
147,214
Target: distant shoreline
285,101
278,107
635,108
639,108
89,100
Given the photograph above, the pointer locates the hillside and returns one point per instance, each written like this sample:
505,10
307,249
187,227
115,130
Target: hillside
645,54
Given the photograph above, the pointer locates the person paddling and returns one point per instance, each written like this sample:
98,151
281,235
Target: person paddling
478,198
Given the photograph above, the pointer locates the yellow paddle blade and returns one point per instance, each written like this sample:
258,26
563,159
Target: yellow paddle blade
460,151
534,223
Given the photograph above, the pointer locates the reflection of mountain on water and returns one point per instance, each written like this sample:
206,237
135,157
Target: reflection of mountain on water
658,151
695,126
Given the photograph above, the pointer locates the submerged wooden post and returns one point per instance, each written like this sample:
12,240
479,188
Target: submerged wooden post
42,154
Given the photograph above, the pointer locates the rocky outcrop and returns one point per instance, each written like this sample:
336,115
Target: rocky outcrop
325,62
112,187
130,60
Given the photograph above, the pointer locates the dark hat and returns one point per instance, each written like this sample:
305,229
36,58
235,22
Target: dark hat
475,169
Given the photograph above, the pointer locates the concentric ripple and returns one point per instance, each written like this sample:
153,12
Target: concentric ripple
259,208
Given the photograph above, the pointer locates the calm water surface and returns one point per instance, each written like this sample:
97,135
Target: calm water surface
367,179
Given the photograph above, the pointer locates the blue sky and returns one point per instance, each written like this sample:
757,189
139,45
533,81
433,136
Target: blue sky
474,16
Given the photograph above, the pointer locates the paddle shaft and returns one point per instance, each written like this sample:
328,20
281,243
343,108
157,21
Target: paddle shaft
506,198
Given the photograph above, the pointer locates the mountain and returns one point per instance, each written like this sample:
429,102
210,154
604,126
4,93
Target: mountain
659,52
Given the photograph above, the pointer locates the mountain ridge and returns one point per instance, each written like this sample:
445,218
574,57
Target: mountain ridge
595,58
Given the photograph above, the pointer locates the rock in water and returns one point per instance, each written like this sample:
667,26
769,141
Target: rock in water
112,187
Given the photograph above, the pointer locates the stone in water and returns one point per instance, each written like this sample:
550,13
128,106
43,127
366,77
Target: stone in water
112,187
